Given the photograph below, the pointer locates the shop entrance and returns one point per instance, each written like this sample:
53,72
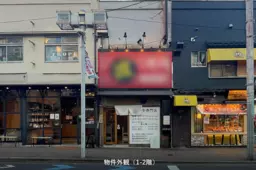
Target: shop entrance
181,126
115,128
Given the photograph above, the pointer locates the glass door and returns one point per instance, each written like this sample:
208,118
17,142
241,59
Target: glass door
110,126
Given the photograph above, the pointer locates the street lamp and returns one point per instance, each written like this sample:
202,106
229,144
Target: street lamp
68,21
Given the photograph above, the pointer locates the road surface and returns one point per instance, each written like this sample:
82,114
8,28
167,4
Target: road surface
101,166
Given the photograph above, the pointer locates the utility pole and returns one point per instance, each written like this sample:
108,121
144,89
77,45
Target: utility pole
250,77
83,92
166,18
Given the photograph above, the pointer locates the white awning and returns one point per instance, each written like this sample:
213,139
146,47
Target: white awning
124,110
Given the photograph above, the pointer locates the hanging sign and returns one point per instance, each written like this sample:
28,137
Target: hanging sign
89,67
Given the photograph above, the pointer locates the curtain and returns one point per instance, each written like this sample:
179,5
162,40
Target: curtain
124,110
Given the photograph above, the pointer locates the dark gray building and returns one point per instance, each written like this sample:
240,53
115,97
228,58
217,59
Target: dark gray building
203,25
209,60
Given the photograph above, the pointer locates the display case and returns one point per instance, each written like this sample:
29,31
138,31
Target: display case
218,124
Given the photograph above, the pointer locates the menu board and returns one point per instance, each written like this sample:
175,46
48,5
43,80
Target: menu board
145,125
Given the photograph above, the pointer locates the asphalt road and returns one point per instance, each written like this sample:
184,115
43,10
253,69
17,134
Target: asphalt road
101,166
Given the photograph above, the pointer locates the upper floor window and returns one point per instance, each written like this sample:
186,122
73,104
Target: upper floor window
198,59
11,49
223,69
61,49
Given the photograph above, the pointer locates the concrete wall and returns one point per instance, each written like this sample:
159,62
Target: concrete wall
134,20
212,20
15,17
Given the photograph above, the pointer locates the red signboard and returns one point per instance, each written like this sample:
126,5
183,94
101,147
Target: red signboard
135,70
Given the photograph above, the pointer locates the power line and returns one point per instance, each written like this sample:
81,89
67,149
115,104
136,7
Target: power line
177,24
32,19
127,6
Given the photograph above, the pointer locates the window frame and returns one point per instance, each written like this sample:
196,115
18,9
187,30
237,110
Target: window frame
61,44
198,55
6,45
222,67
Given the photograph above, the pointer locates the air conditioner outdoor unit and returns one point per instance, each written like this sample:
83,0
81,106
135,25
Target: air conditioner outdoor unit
100,21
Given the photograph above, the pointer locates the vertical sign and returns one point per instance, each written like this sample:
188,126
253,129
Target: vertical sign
89,67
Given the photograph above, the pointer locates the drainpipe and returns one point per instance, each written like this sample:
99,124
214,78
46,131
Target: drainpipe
166,17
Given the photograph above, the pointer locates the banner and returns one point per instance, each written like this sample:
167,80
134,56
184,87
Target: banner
89,67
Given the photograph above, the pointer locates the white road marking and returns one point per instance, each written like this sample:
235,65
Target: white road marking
6,166
173,167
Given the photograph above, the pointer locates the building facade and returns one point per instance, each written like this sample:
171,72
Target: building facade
40,73
130,82
209,73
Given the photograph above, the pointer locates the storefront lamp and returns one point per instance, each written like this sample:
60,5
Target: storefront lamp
198,116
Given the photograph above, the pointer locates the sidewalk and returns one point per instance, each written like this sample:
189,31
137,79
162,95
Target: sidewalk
72,153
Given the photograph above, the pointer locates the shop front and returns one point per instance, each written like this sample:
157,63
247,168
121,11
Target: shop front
131,104
219,125
131,122
42,115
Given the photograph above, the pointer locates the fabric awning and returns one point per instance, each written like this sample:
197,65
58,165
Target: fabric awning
227,54
124,110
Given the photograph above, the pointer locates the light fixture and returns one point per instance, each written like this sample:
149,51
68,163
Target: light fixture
32,23
48,87
142,50
125,37
7,88
214,95
139,41
144,35
143,39
66,87
230,26
32,42
29,88
126,50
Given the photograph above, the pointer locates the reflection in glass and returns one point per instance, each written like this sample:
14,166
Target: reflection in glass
14,40
70,52
53,53
51,105
14,53
13,105
2,54
110,126
70,40
13,121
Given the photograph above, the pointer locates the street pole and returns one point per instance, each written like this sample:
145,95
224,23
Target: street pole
83,92
250,77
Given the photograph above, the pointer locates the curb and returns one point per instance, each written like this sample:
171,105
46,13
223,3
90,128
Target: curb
90,160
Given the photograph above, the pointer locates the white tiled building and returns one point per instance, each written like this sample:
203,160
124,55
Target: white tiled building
33,50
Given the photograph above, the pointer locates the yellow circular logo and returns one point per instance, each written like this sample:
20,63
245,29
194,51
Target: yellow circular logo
123,70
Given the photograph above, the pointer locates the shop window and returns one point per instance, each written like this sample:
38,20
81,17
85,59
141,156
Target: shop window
11,49
219,70
69,117
198,59
33,93
1,123
61,49
13,105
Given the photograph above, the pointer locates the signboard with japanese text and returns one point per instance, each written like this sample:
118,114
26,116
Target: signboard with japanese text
135,70
145,125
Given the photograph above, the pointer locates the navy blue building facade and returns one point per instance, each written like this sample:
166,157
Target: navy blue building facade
199,29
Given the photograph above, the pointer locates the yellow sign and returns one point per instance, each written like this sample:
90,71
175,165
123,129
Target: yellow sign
227,54
181,100
237,95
